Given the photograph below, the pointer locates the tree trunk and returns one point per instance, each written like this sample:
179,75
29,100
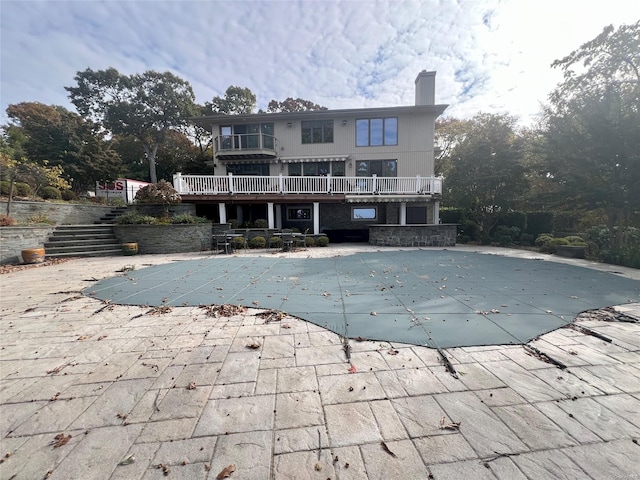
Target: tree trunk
151,158
10,199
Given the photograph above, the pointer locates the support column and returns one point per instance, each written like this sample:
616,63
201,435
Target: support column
239,215
316,218
278,217
222,211
403,213
270,214
436,212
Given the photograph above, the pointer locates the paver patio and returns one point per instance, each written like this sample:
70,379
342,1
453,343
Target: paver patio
180,393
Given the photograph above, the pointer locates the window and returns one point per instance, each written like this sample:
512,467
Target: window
380,168
259,135
372,132
317,131
298,213
364,213
261,169
317,169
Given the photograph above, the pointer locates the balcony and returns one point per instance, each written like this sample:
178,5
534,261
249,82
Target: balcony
294,185
248,145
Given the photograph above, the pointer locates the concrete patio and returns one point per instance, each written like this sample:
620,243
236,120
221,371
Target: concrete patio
92,390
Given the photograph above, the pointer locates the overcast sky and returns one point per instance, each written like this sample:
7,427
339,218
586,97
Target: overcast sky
490,55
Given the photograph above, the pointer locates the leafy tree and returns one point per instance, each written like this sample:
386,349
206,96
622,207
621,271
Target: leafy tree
449,133
293,105
160,192
146,106
593,127
486,176
62,138
236,101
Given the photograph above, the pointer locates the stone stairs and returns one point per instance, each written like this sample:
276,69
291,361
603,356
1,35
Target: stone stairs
97,240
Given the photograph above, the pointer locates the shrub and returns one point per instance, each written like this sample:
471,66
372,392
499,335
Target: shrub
116,202
275,242
322,241
186,218
543,238
506,240
161,192
22,189
485,240
69,195
309,242
575,240
234,223
526,239
503,231
50,193
261,223
4,187
133,218
40,218
257,242
628,256
237,243
464,239
6,221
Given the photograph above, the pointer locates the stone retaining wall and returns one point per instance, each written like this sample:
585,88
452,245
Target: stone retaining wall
179,238
413,235
58,213
15,239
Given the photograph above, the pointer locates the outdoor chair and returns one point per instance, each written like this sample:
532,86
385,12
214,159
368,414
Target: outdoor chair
267,237
245,235
300,240
205,244
287,239
223,243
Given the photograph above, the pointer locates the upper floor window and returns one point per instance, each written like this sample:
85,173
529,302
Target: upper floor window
317,131
376,131
259,135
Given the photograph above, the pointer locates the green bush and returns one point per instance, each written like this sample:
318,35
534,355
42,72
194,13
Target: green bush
133,218
234,223
322,241
50,193
543,239
237,243
464,239
506,240
628,256
116,202
4,187
69,195
161,192
275,242
309,242
40,218
575,240
186,218
503,231
22,189
526,239
257,242
261,223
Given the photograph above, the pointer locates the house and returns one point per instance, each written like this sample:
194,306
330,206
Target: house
339,172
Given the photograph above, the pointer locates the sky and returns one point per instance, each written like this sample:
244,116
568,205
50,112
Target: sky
491,56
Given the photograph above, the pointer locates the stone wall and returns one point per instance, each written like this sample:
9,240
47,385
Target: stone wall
157,210
413,235
58,213
165,238
15,239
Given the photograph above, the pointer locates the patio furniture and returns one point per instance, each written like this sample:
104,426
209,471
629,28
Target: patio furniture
223,242
300,240
287,240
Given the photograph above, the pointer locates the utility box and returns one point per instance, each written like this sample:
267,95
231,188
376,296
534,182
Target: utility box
123,188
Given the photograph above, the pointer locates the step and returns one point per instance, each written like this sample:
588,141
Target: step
82,248
97,236
87,253
79,242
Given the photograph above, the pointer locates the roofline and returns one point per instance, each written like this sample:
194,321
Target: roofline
351,112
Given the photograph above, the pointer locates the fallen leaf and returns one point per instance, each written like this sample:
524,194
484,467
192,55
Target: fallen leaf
128,460
226,472
317,467
84,337
386,449
191,386
60,440
393,352
254,346
361,339
444,425
353,369
286,325
373,314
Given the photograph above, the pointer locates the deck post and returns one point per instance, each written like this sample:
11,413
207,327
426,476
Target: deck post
222,211
280,184
231,189
316,218
403,213
436,212
177,182
270,214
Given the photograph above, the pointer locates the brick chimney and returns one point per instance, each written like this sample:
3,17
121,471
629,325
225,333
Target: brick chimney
426,88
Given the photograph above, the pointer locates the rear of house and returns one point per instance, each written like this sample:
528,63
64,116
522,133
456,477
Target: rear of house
337,172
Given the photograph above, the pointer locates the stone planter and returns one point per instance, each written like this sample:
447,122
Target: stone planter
571,251
151,239
129,248
33,255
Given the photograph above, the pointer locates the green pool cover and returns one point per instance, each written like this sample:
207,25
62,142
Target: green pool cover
423,297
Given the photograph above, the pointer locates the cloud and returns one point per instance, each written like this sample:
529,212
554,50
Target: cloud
490,55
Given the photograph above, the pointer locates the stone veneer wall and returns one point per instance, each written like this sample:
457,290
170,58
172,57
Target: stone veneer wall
58,213
15,239
179,238
443,235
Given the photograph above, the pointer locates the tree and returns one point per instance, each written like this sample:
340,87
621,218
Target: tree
236,101
293,105
449,133
592,128
62,138
145,106
486,175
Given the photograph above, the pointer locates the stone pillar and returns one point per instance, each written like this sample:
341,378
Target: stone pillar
436,212
222,210
278,217
270,214
403,213
316,218
239,215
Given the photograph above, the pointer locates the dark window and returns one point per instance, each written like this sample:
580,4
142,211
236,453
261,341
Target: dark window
313,169
380,168
298,213
317,131
376,131
261,169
